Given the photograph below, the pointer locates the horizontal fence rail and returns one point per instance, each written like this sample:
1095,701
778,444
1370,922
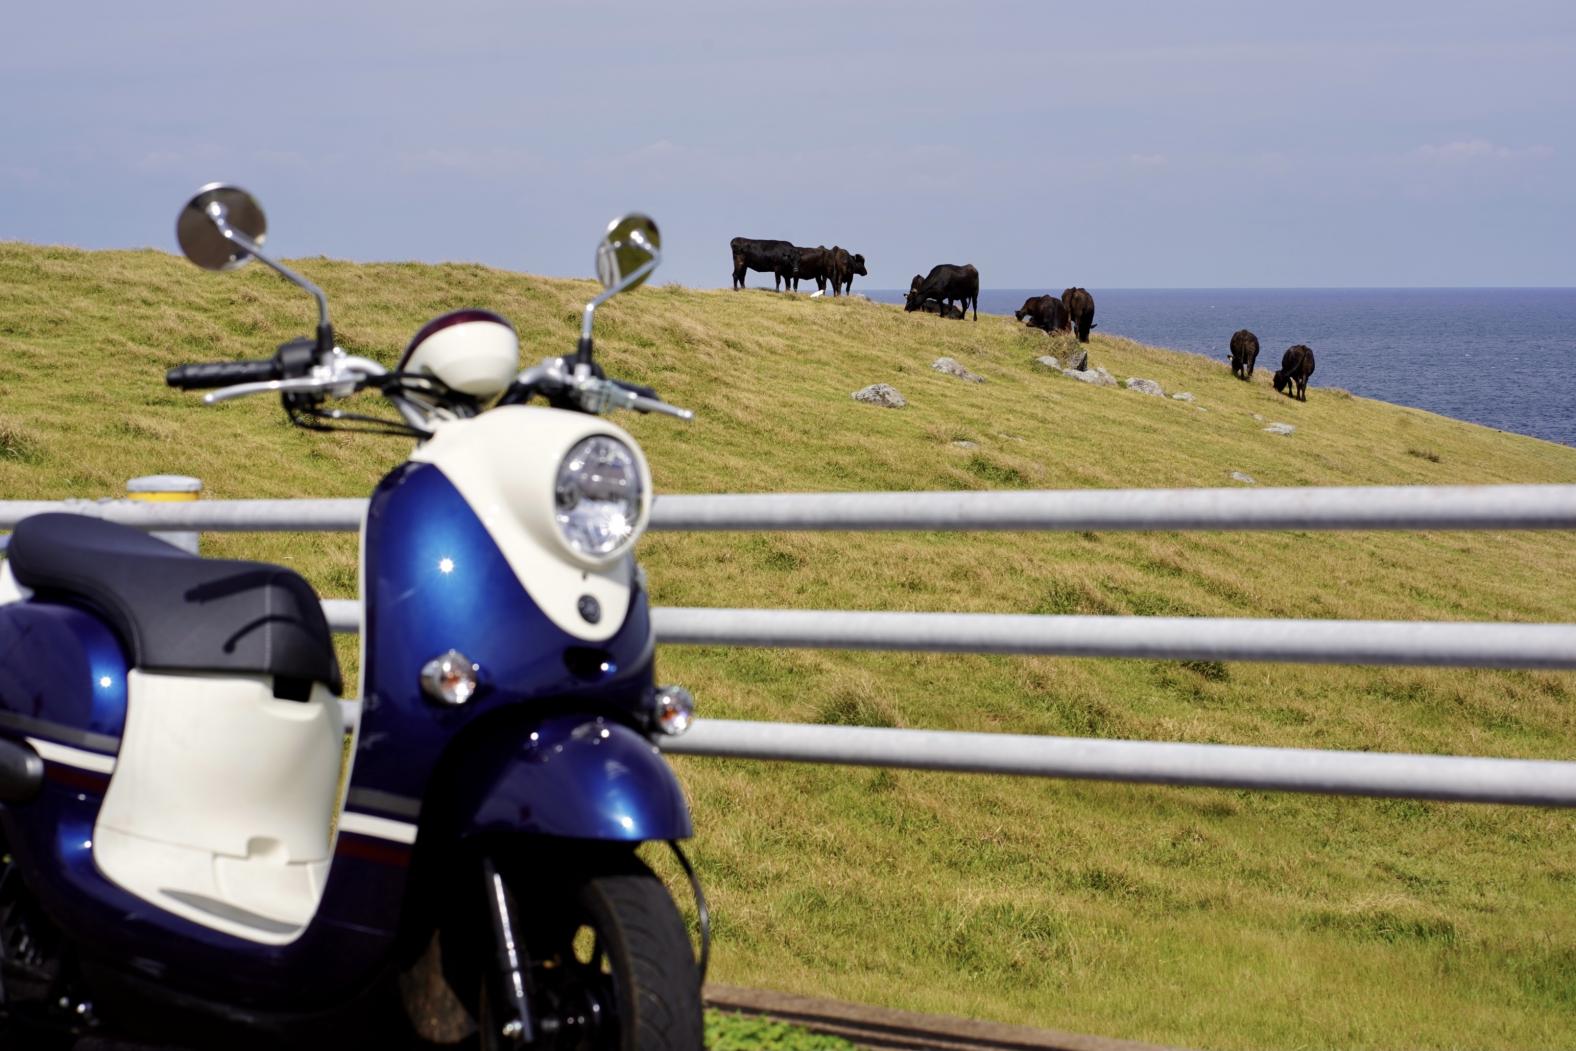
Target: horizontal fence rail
1350,508
1528,782
215,516
1545,646
1072,510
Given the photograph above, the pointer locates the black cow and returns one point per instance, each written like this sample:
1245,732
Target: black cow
946,310
946,283
815,264
1044,312
1079,305
778,258
843,268
1244,352
1296,367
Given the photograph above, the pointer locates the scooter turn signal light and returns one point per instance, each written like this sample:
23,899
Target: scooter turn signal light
450,678
672,710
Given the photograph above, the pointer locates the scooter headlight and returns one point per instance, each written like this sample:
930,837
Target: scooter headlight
599,498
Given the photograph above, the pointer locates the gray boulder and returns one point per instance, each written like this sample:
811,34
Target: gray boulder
1280,428
1096,377
952,368
1078,360
1182,396
1245,479
1149,387
880,394
1049,362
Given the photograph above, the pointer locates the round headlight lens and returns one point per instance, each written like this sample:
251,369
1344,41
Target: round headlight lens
599,497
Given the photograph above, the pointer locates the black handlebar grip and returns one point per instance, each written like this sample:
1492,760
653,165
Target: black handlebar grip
221,374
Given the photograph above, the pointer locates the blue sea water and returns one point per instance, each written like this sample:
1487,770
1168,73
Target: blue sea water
1501,357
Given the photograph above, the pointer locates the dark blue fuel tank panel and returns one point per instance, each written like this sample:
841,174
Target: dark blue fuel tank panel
437,582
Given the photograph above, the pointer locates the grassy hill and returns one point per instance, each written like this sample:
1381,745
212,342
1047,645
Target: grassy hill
1197,917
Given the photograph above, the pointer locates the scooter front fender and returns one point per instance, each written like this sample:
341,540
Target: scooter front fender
571,776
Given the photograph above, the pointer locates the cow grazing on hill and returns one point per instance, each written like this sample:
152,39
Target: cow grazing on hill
1079,305
778,258
1044,312
1296,367
843,268
946,310
1244,352
815,264
946,283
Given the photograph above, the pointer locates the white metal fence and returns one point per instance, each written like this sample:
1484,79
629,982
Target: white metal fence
1495,645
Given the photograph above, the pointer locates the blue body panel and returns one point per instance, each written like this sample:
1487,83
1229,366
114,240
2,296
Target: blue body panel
572,777
62,677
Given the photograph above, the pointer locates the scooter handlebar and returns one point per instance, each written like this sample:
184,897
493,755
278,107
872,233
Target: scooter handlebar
204,375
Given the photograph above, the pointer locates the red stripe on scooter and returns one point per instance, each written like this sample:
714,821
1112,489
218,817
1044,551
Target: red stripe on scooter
76,778
368,848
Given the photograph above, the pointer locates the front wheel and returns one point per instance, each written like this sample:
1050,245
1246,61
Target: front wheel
610,967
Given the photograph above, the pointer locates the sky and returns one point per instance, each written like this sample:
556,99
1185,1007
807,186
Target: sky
1112,144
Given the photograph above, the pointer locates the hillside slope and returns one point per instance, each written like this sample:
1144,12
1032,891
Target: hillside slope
1195,917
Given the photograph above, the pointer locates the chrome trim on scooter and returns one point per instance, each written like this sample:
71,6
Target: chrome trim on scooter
377,827
52,752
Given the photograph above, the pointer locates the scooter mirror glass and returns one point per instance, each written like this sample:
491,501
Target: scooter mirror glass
199,226
631,242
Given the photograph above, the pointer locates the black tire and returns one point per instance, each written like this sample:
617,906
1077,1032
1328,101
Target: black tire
612,968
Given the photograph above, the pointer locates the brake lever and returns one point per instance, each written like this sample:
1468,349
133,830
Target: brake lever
241,390
341,376
641,403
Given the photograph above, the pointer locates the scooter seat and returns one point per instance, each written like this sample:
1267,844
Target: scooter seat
175,611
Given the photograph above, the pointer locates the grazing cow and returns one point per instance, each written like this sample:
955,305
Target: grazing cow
1044,312
815,264
778,258
1296,367
1079,305
1244,352
946,310
843,268
946,283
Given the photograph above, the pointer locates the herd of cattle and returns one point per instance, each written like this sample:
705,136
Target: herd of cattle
949,290
789,264
1291,379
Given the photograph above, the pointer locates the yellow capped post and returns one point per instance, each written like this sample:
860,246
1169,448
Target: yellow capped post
162,488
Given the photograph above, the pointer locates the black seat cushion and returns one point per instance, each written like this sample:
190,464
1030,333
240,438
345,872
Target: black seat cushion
173,610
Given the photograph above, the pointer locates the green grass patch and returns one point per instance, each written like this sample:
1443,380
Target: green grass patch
730,1031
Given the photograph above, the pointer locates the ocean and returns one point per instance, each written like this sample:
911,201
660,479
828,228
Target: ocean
1500,357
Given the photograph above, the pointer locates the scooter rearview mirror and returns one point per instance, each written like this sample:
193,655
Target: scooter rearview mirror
199,227
631,242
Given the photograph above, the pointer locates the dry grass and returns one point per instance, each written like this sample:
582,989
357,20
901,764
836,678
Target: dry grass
1210,918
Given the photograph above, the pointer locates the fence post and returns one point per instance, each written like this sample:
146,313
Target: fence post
168,488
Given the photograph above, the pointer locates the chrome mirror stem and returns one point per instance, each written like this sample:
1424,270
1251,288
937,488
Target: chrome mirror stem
217,212
634,278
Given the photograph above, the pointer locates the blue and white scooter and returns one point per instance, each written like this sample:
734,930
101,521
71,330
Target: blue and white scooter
177,855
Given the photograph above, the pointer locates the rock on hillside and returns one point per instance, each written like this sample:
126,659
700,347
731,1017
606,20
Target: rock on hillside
952,368
880,394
